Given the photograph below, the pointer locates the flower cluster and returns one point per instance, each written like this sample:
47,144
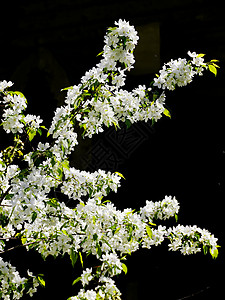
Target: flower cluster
180,72
161,210
13,118
100,229
4,85
56,209
81,183
12,286
190,239
99,100
107,290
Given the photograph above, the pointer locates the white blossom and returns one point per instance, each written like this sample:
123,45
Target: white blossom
90,224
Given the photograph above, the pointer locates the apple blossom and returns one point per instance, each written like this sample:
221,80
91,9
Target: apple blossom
32,211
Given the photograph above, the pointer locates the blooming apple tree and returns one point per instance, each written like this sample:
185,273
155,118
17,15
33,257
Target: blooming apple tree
31,171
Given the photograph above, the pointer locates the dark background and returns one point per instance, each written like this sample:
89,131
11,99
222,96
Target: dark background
48,45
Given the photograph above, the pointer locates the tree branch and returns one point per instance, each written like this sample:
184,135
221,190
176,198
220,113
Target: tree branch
194,294
17,246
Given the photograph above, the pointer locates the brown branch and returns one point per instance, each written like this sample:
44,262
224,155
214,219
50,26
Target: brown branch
17,246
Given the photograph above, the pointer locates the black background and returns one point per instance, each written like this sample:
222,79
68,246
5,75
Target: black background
48,45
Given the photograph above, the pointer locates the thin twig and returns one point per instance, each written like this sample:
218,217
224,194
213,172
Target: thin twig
17,246
5,194
9,238
194,294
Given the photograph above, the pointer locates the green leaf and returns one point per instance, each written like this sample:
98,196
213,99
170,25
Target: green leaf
205,249
67,88
23,240
76,280
130,212
53,202
17,93
100,53
60,173
128,123
73,256
95,237
65,164
116,125
9,196
149,231
176,217
153,224
121,175
34,216
31,134
201,55
167,113
214,253
41,280
124,267
213,69
81,259
98,250
215,65
107,243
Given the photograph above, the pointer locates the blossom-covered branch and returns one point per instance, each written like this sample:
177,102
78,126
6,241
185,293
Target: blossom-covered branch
32,179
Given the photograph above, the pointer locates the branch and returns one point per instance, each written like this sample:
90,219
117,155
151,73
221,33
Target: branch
5,194
17,246
194,294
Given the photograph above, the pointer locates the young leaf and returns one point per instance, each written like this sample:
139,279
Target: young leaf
214,253
149,231
128,123
76,280
65,164
100,53
31,134
130,212
73,257
39,131
167,113
205,249
215,65
23,240
67,88
17,93
201,55
121,175
98,250
213,69
124,267
53,202
176,217
153,224
41,280
60,173
81,259
34,216
95,237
